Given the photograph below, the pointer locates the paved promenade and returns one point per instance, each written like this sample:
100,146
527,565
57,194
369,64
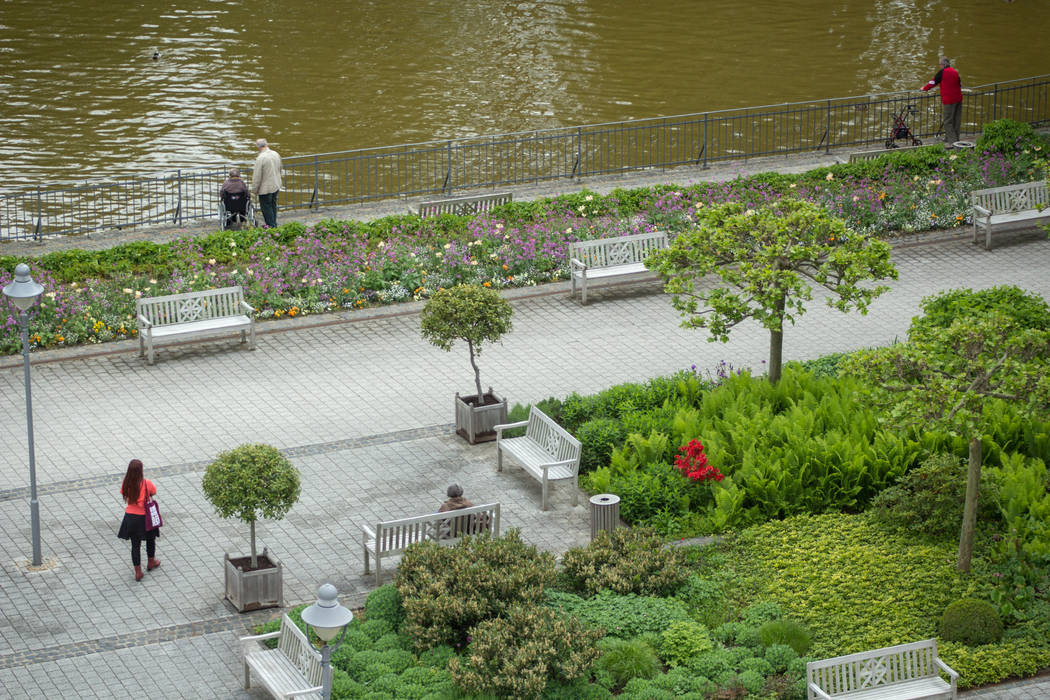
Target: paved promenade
363,408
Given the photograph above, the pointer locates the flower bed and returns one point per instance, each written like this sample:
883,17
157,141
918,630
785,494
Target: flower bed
343,265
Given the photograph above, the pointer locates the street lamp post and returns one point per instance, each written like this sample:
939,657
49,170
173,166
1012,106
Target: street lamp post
328,618
24,292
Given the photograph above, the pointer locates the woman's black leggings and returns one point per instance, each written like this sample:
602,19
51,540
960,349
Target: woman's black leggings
136,550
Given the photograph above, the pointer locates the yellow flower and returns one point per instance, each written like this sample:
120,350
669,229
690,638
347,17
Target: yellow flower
486,284
830,177
856,198
793,185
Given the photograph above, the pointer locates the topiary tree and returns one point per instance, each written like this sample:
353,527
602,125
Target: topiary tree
467,312
251,482
947,372
972,622
764,258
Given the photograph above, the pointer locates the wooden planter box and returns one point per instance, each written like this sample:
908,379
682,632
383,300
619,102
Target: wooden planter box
252,590
478,423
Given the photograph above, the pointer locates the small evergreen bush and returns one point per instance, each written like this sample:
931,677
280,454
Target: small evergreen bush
598,437
788,632
780,657
761,613
705,600
1026,309
516,654
972,622
384,603
684,641
626,659
447,590
628,560
623,616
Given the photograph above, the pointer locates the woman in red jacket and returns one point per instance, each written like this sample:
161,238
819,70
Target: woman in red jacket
135,490
951,99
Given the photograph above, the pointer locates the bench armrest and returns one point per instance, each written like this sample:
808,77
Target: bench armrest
818,691
576,264
255,637
248,307
143,321
947,669
368,531
563,463
507,426
981,211
305,691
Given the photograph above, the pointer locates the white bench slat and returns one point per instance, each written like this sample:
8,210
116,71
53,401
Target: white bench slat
544,443
1008,207
903,671
395,536
207,312
293,669
475,204
611,257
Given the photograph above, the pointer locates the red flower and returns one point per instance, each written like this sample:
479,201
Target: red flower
692,462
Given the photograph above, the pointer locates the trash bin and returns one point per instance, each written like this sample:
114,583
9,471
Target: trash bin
963,145
605,513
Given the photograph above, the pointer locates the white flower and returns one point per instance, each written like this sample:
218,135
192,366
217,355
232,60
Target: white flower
233,244
473,262
749,212
382,244
211,261
830,177
153,281
793,185
582,208
952,157
233,271
588,198
128,291
318,280
250,272
856,198
568,230
138,295
447,246
493,256
304,280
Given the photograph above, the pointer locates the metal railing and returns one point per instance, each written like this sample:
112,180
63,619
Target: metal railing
440,168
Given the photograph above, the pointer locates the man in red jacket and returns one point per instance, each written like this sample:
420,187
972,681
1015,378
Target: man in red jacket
951,99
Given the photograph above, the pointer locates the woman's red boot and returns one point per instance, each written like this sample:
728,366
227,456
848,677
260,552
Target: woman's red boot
152,564
138,573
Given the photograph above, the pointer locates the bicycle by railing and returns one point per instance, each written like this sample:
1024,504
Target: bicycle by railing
473,163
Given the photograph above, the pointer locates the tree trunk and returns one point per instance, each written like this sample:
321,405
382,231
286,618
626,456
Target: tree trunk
969,523
255,557
776,345
477,372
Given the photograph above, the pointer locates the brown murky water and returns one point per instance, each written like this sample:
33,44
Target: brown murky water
82,99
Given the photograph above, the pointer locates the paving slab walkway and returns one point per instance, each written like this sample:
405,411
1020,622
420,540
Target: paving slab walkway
362,407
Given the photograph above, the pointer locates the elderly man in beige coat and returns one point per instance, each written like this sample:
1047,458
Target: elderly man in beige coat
266,181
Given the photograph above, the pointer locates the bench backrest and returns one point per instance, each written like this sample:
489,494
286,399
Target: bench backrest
1013,198
553,438
191,306
293,644
872,155
870,669
620,250
395,535
465,205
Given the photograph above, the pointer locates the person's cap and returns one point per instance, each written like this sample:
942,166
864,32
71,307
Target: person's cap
454,491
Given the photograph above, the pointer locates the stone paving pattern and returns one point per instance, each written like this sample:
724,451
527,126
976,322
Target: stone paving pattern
362,407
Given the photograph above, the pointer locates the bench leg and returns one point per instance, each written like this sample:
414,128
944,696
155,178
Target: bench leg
251,336
544,501
988,238
583,290
244,337
379,569
142,346
367,571
572,277
247,676
499,459
575,495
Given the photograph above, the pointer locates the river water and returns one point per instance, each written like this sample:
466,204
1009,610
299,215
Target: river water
82,99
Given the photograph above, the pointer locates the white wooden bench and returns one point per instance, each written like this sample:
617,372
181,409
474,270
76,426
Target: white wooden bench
1009,207
211,312
464,205
546,451
872,155
903,671
292,670
394,536
611,257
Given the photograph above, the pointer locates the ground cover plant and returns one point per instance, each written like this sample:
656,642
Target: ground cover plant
295,270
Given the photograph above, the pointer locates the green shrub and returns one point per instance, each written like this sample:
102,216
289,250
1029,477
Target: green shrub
623,616
714,663
447,590
684,641
972,622
437,656
384,603
760,613
1005,136
656,489
994,663
736,633
780,657
758,664
598,437
628,560
928,499
642,689
705,600
1026,309
374,629
393,640
682,681
515,655
580,689
753,681
787,632
626,659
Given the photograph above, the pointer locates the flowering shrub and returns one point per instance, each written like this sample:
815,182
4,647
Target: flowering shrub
692,462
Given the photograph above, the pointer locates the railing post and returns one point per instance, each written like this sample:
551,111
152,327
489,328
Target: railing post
703,151
827,131
39,215
579,151
177,219
995,102
313,197
448,169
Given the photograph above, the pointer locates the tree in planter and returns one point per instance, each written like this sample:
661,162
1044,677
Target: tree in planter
467,312
251,482
950,368
764,258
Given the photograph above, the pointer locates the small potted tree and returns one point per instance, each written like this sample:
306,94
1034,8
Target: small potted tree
251,482
475,315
